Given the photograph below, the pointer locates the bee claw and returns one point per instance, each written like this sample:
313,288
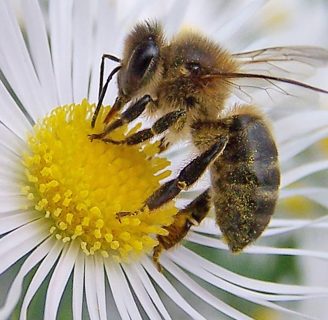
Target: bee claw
122,214
95,136
101,136
193,221
107,140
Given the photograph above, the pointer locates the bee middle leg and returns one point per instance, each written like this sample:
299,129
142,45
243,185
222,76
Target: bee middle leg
187,177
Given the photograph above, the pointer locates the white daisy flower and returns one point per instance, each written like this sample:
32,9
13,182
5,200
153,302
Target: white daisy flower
60,192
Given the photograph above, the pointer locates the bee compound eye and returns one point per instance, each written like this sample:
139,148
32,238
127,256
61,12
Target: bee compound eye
144,59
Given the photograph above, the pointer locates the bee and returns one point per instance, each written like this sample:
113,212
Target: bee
185,84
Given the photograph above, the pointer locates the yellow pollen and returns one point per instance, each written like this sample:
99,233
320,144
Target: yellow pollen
81,185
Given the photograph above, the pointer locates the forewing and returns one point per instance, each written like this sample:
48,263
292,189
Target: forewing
285,63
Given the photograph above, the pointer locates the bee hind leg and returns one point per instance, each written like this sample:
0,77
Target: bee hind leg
191,215
156,254
199,207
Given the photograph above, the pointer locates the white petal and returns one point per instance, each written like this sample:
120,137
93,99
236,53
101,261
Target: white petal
253,284
10,161
40,275
10,139
208,226
276,226
60,17
195,267
174,16
295,146
288,193
291,222
169,290
144,278
13,203
83,13
17,286
19,242
129,13
90,288
11,222
216,243
59,280
16,64
78,286
141,293
202,293
295,224
121,292
289,127
7,174
207,241
100,286
238,19
104,42
263,299
302,171
40,52
11,116
288,252
318,195
9,188
11,158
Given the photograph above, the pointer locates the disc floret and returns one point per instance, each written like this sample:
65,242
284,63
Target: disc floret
80,185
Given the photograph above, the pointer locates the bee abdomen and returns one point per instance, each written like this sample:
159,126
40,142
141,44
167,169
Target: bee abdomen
245,180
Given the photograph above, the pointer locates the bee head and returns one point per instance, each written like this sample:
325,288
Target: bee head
141,58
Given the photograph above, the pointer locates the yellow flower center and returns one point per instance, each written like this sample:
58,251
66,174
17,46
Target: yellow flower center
80,185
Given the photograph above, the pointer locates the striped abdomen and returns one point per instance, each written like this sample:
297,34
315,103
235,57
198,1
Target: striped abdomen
245,179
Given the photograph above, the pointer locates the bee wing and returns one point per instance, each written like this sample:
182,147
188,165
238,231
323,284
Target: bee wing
276,72
299,61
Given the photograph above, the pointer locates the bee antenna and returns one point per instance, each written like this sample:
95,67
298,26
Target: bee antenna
102,95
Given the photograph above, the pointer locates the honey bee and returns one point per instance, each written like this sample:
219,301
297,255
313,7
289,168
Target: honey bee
185,84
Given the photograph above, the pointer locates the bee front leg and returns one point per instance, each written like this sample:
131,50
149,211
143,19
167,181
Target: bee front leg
102,68
133,112
161,125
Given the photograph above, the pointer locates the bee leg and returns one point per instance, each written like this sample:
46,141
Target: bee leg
198,208
163,145
102,95
156,254
133,112
101,90
187,176
102,68
191,215
161,125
